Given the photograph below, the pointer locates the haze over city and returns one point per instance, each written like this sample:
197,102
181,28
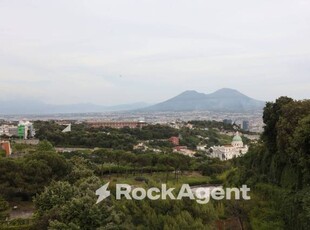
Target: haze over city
113,52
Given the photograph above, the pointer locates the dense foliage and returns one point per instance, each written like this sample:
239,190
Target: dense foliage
278,168
63,189
124,139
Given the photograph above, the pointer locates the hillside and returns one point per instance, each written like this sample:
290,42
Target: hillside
224,100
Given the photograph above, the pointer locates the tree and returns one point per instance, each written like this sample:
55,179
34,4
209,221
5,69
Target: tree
63,205
45,146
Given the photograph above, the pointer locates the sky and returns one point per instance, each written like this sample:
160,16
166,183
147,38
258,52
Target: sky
126,51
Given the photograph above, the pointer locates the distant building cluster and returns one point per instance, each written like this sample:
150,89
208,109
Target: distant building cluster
179,124
226,152
176,149
180,149
117,124
23,130
227,121
8,130
184,150
244,125
202,147
143,147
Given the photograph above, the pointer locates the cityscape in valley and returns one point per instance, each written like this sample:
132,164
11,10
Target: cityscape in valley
51,156
237,117
154,115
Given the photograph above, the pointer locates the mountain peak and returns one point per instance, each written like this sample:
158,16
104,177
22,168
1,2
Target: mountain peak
225,99
227,91
193,94
189,92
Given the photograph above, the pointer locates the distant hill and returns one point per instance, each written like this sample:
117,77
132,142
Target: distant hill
37,107
223,100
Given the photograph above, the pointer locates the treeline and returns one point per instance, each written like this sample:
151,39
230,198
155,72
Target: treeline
84,136
106,161
203,124
71,206
70,203
278,168
125,138
24,177
63,189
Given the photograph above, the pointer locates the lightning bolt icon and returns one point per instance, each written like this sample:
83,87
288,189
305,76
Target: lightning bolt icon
103,192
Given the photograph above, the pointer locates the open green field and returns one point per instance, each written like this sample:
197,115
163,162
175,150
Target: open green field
145,179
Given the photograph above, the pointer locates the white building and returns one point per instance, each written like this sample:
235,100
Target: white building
28,129
201,147
227,152
140,146
8,130
67,129
23,129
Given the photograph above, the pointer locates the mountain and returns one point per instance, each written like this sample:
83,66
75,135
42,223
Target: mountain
37,107
223,100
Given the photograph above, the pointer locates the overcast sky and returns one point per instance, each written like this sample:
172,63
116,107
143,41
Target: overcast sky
112,51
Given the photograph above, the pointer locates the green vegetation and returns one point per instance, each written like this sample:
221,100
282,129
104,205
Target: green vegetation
278,168
213,125
24,177
156,136
2,153
63,187
4,207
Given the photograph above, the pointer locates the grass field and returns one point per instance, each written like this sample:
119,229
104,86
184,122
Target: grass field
154,179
